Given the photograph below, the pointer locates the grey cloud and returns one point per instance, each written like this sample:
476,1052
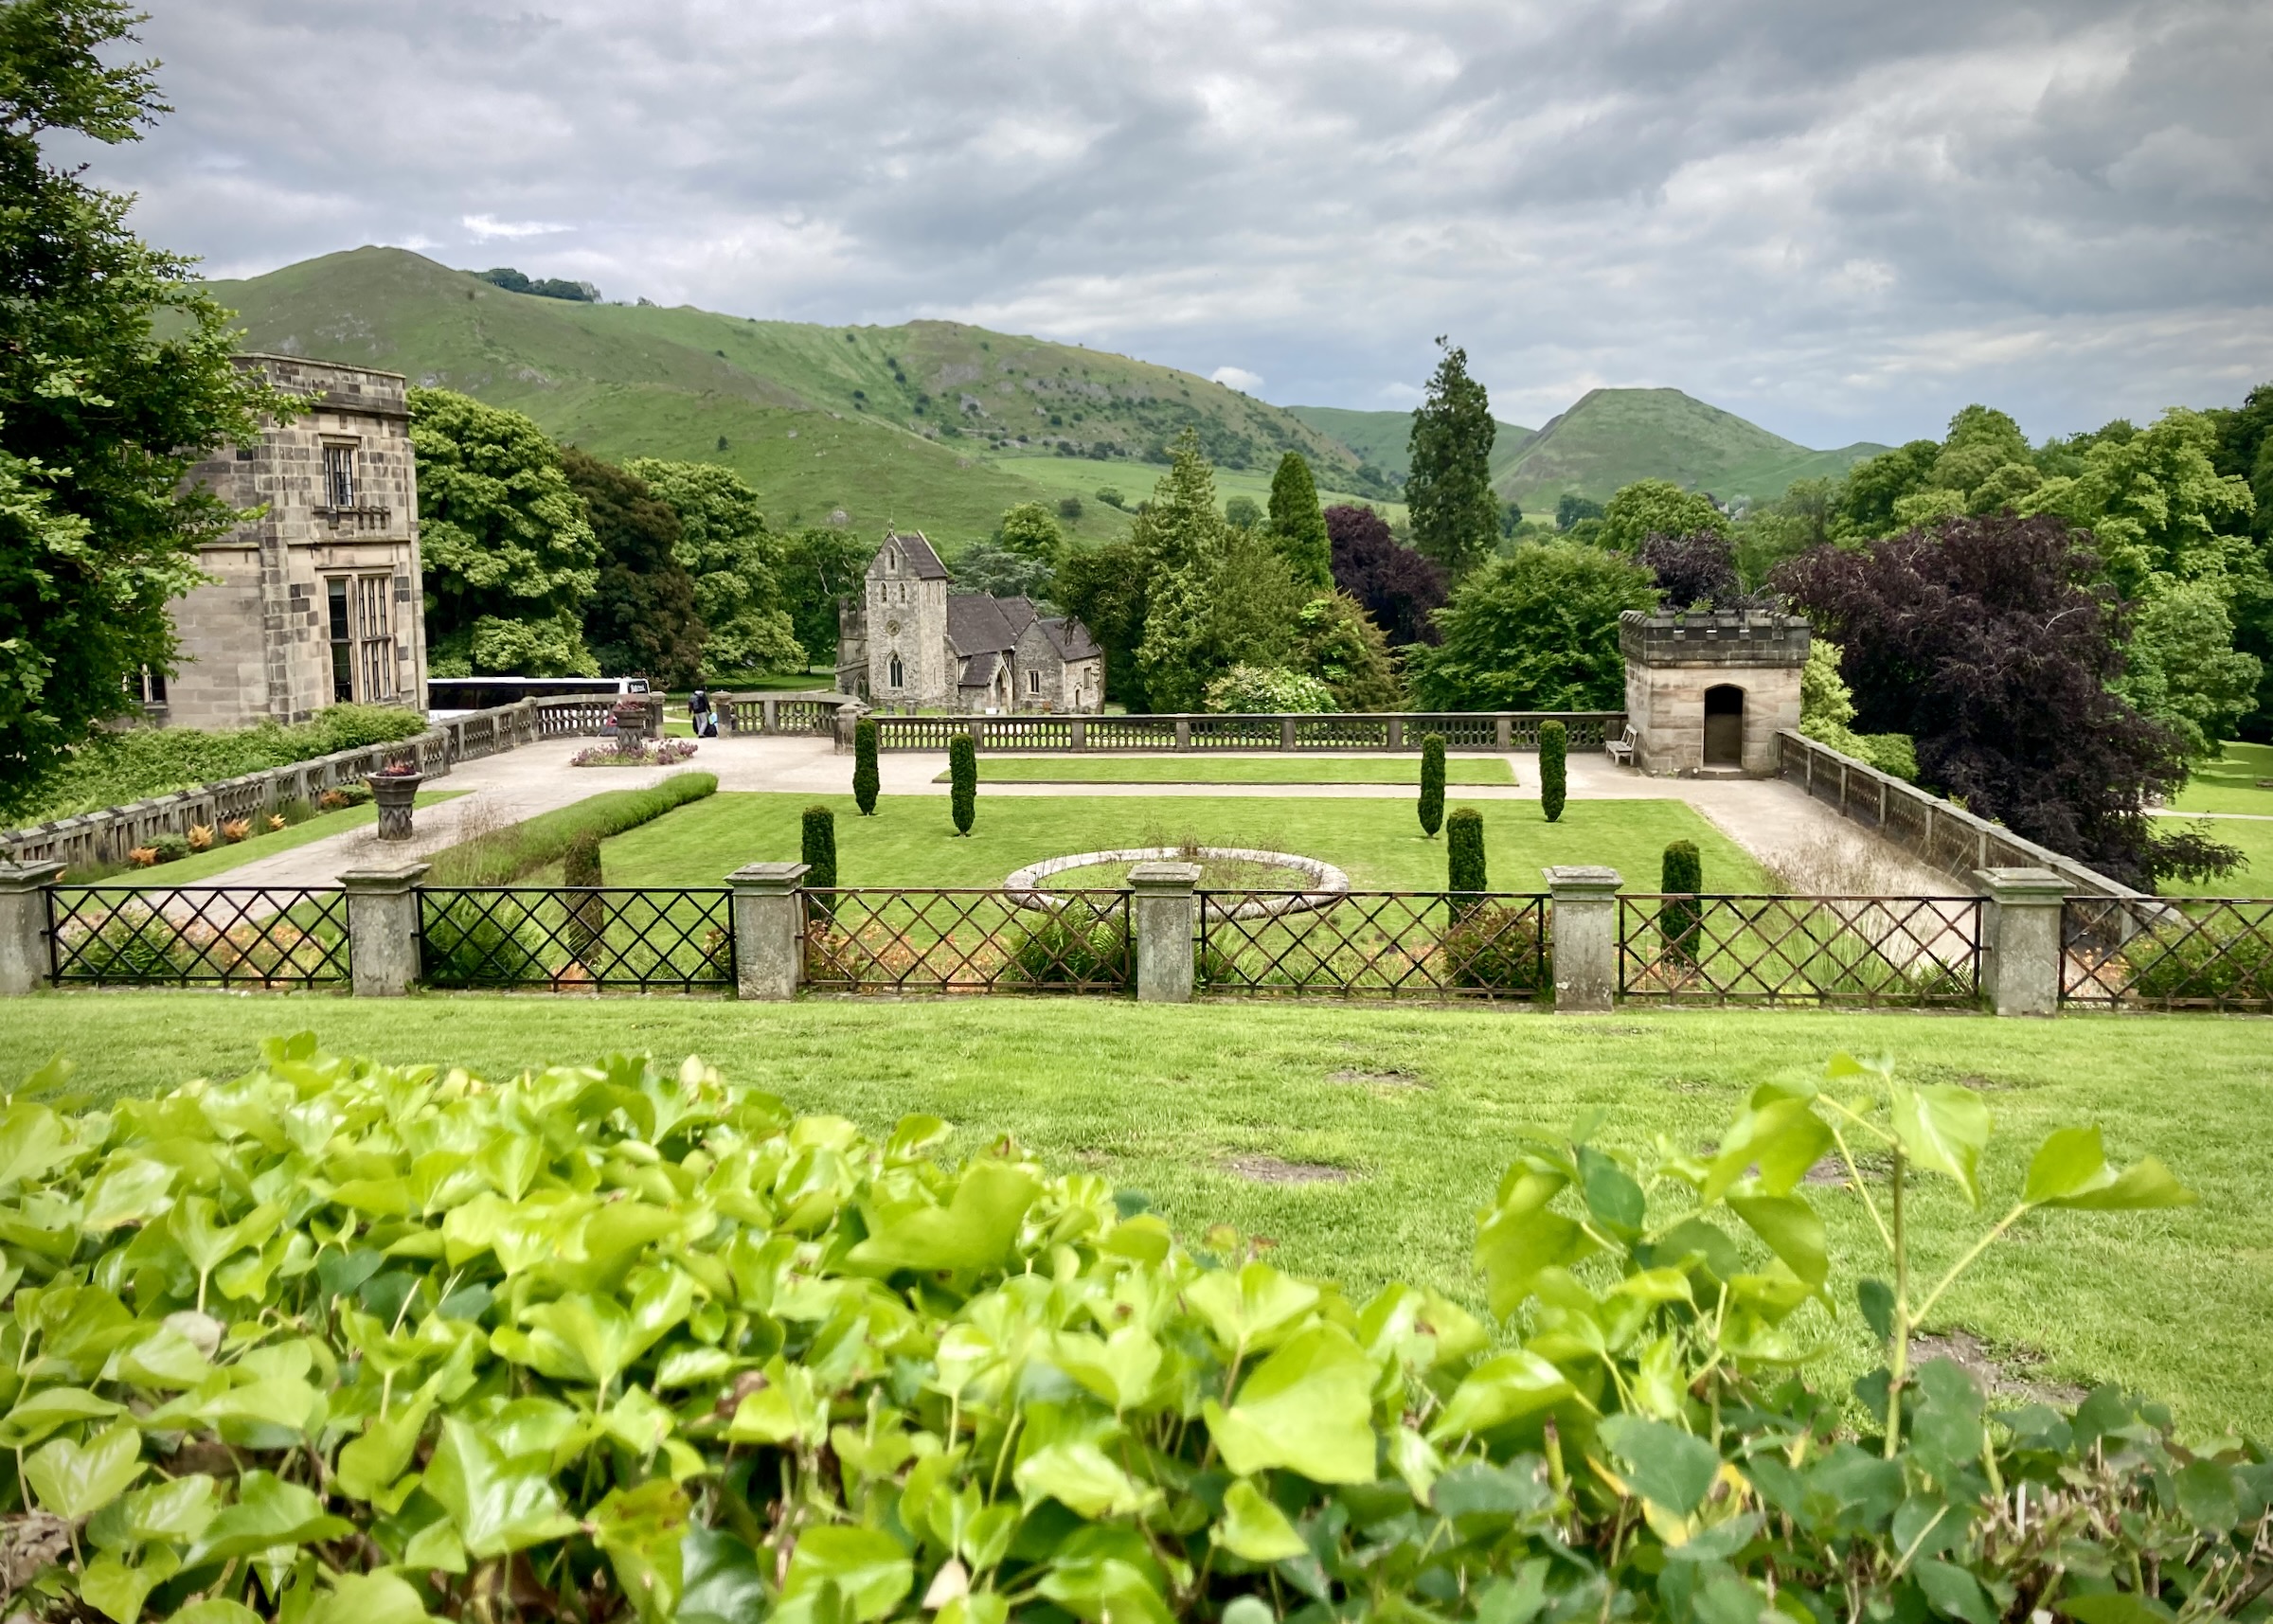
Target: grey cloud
1844,220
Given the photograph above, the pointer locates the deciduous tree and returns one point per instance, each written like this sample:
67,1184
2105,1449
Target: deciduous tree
1336,642
1657,507
1396,586
642,619
1535,630
1030,532
114,379
1455,515
823,566
1699,568
734,559
508,548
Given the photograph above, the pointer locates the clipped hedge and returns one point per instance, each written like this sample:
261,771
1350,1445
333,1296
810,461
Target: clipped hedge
339,1343
509,854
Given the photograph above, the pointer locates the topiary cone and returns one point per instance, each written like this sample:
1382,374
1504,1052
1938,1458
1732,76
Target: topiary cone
962,774
864,766
1554,766
1432,783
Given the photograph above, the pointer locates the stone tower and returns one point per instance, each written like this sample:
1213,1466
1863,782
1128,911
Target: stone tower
1706,693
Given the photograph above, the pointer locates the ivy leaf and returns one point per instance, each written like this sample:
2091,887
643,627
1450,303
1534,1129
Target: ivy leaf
973,1230
367,1599
2069,1163
1943,1128
498,1504
1515,1244
369,1465
641,1530
1791,1230
1612,1196
1784,1137
2143,1184
1308,1407
1254,1528
1501,1389
1254,1307
119,1590
269,1512
75,1481
721,1582
1953,1592
871,1569
33,1419
31,1141
1662,1463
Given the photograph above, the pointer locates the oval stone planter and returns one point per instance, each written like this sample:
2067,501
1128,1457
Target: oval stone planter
396,794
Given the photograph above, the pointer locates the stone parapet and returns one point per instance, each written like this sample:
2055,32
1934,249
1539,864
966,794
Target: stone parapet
1746,638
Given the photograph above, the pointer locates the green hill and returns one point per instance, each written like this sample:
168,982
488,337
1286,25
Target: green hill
1613,437
934,424
1383,438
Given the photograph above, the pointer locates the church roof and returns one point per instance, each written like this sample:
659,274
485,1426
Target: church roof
976,622
923,562
1018,613
1071,639
979,670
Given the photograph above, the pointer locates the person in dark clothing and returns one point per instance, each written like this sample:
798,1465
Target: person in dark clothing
700,713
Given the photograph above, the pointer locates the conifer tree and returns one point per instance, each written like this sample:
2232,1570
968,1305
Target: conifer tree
1455,514
1432,783
1297,525
1464,871
962,774
1554,750
1680,916
817,851
864,766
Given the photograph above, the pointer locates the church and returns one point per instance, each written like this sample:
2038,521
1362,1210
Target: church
912,644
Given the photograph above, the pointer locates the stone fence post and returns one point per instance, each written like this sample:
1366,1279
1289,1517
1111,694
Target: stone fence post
2020,939
383,928
23,959
1584,926
1162,915
769,930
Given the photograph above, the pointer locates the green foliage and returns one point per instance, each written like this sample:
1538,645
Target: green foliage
1554,768
513,281
1455,512
580,862
1069,510
464,944
1570,508
641,619
521,849
1267,691
1243,513
2218,960
1029,532
1064,952
1108,589
113,768
1464,871
823,566
1337,642
1534,631
1827,708
1497,948
818,846
1000,573
101,417
509,557
962,772
734,562
588,917
2156,505
866,780
1110,496
1680,916
1657,507
2183,669
1431,805
1299,525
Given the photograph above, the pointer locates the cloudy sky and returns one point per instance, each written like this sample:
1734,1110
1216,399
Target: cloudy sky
1841,218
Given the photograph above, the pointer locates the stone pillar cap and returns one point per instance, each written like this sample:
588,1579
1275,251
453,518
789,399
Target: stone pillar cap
768,876
1582,880
1164,876
402,879
28,876
2019,883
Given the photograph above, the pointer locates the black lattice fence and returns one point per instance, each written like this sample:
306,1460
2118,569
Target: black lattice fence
1800,949
2177,953
272,937
567,938
1384,944
967,941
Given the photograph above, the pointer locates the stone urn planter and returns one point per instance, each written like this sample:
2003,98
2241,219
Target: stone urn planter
396,794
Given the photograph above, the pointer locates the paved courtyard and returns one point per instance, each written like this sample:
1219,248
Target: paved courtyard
1778,824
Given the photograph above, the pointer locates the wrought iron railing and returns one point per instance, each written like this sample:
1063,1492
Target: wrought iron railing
1800,949
957,940
567,938
1386,944
271,938
2175,952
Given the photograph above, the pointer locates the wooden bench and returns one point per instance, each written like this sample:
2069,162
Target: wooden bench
1620,749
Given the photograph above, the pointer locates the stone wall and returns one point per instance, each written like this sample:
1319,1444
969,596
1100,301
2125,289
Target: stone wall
255,643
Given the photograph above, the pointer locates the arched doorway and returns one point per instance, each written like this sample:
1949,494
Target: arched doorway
1724,726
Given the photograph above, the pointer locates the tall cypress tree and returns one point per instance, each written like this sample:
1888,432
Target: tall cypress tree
1455,514
1432,783
1297,525
865,780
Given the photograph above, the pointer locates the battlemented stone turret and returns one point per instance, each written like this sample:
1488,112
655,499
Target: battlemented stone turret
1706,693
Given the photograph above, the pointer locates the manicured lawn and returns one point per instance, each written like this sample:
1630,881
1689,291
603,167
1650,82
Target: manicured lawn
1421,1109
1199,767
910,841
2230,784
201,867
2253,879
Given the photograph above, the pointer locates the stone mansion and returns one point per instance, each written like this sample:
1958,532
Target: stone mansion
912,644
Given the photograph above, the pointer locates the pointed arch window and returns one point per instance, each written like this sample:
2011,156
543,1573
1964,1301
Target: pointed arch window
898,678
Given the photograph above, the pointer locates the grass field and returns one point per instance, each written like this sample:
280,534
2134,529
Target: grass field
2239,780
1202,768
1079,476
910,841
202,866
1418,1109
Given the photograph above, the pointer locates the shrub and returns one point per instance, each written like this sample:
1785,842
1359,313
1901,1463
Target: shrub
865,780
587,923
1680,916
463,946
295,812
169,848
201,837
501,857
817,851
1268,690
1068,952
1464,852
237,829
143,856
635,1345
1432,783
2219,959
275,822
962,772
1554,768
131,944
1499,949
